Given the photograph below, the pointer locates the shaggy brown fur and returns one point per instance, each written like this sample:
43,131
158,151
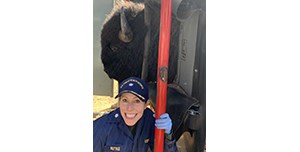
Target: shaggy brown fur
122,60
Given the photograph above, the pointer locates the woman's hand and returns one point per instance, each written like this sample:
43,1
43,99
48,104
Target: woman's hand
164,122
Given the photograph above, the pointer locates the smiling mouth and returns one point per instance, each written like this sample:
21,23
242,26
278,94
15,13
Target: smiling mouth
130,116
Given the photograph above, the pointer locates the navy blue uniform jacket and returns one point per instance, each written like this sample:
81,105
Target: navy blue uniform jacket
112,134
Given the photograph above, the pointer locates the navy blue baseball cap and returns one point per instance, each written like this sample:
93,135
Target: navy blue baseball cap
135,86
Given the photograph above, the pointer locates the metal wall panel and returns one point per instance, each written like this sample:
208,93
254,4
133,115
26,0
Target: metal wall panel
187,51
102,84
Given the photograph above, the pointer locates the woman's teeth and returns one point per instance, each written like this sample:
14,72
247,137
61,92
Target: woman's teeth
130,115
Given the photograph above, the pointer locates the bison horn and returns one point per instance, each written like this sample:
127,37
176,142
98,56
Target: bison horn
125,34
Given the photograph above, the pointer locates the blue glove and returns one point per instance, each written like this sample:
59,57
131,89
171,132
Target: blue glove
164,122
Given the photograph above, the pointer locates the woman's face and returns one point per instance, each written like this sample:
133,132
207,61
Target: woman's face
131,108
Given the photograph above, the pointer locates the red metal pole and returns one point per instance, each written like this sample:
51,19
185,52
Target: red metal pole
162,69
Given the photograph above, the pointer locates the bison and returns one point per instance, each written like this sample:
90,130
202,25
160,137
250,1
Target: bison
122,41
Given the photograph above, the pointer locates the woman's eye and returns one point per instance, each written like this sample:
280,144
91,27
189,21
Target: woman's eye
124,100
137,101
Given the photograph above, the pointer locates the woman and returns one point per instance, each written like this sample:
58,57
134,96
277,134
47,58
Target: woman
130,128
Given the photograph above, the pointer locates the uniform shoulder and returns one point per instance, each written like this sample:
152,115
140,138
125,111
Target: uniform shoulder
148,113
105,118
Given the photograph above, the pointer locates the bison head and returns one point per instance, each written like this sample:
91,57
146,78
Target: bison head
122,42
